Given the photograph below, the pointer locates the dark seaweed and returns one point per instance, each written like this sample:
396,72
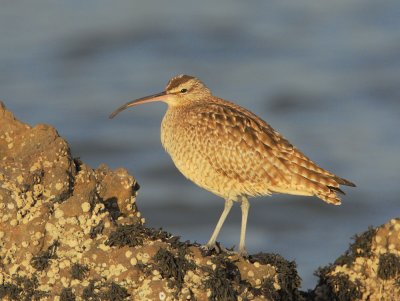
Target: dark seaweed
115,292
22,289
96,230
106,291
222,280
126,235
79,271
78,163
135,234
268,290
42,261
67,294
89,293
173,267
289,280
361,247
339,287
389,266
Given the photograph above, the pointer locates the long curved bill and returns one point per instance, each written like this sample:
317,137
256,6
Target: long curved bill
146,99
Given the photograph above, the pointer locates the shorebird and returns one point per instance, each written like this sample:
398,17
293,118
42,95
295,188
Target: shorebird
233,153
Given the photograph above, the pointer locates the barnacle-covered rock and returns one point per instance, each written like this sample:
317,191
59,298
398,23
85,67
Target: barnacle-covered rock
70,232
369,269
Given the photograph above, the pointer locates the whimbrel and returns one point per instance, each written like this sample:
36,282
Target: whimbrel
231,152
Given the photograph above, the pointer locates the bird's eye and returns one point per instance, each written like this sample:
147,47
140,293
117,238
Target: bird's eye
183,90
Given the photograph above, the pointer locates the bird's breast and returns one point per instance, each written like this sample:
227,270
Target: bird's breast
167,131
200,158
174,138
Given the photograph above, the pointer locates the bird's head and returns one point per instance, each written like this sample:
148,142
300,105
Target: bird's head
180,90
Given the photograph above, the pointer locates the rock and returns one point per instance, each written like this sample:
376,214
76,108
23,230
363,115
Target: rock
369,269
70,232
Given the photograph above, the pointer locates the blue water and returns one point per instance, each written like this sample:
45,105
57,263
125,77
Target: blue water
324,74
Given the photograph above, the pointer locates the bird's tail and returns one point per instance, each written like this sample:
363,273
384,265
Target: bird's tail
330,193
314,180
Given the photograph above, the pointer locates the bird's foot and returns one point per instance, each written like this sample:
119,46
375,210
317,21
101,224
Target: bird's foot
216,248
209,249
243,253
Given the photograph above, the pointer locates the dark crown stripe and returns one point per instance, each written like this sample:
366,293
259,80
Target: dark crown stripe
178,80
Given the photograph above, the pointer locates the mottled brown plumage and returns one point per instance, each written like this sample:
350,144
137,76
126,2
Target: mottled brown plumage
232,153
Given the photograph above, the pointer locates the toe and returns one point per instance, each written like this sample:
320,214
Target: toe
208,249
243,253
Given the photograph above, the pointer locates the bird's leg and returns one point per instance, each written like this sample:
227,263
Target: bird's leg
245,205
227,208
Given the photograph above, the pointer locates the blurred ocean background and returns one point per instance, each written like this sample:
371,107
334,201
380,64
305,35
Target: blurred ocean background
326,74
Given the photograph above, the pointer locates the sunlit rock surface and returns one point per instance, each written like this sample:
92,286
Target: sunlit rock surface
70,232
369,269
